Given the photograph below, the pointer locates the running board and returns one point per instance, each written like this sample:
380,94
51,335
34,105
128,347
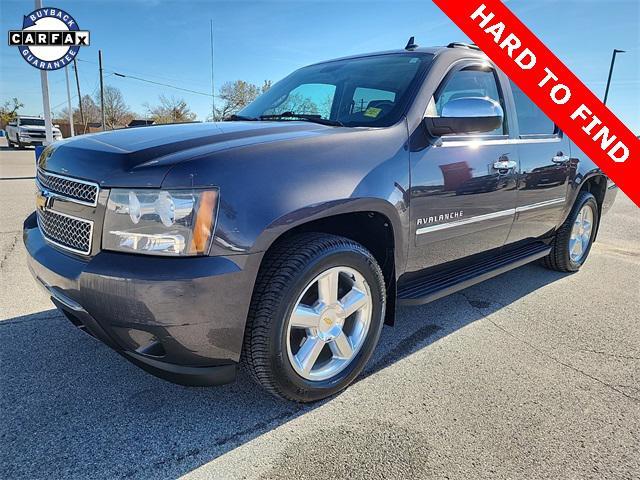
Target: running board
437,285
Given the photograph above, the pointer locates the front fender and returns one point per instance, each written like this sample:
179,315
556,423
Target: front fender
268,188
299,217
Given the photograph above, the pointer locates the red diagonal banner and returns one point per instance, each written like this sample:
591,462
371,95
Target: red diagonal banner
551,85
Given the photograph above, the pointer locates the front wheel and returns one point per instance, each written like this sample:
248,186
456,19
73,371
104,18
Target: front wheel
315,317
573,240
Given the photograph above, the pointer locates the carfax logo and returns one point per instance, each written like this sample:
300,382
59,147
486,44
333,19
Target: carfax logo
50,38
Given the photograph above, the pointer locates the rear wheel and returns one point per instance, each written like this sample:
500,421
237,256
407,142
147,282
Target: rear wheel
572,243
315,318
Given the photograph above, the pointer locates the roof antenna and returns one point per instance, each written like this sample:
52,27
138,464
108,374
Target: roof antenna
411,44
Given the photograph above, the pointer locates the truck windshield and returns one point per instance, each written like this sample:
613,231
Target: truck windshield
39,122
368,91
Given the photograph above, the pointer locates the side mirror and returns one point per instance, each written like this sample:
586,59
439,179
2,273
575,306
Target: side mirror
466,115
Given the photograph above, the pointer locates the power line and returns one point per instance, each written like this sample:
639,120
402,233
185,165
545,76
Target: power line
97,84
133,77
162,84
145,74
197,92
76,95
63,103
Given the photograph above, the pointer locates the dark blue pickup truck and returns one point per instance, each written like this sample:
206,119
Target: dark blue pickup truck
284,238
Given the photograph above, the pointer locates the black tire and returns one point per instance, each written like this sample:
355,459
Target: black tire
285,273
9,142
20,145
559,258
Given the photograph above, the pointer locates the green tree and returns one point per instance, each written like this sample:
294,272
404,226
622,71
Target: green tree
9,110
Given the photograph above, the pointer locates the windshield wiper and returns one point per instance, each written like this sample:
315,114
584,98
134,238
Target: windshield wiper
303,116
234,117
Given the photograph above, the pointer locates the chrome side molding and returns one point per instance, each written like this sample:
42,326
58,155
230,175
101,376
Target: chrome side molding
489,216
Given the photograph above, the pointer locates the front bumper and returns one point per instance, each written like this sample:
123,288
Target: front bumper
35,141
181,319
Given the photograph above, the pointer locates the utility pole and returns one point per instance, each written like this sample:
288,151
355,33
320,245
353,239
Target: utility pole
75,68
213,90
66,74
613,61
104,127
46,106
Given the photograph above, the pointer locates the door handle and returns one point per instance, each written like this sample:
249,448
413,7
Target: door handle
560,159
504,164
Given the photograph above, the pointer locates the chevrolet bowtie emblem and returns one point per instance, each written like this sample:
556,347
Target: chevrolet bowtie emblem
43,200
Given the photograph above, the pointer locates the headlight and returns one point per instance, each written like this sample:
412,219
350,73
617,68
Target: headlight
160,222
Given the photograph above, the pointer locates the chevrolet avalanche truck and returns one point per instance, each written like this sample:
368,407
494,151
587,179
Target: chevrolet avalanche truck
28,131
285,237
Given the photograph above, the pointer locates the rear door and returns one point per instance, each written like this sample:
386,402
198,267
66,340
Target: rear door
545,165
463,189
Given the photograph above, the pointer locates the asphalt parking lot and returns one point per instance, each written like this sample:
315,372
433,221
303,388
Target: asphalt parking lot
534,374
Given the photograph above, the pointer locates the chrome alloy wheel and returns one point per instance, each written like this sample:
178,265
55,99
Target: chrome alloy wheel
581,234
329,323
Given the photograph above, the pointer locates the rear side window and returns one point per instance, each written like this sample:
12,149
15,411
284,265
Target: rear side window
531,119
471,82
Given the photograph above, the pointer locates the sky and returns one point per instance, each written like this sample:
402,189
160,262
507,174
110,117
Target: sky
168,42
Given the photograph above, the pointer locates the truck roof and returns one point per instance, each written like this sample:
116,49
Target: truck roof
463,47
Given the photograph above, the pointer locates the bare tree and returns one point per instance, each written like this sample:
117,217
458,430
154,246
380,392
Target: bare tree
116,111
236,95
171,110
266,86
9,110
296,103
90,110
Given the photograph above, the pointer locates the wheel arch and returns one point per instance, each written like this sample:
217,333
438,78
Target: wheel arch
373,223
596,184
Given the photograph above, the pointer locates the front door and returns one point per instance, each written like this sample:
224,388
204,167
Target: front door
463,190
545,165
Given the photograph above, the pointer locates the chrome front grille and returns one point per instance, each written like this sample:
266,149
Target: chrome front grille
80,191
66,231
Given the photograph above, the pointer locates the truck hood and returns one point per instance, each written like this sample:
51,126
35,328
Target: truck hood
141,157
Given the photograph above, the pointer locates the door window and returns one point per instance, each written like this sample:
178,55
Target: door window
531,120
470,82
